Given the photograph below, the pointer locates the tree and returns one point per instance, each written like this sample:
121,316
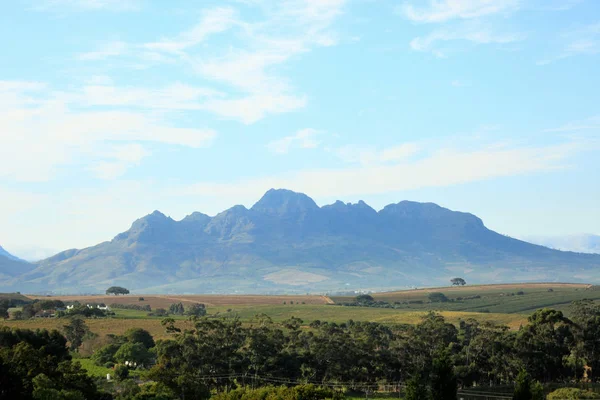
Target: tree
133,353
522,386
4,306
416,388
458,282
117,290
364,299
443,380
121,372
75,332
176,309
437,297
139,335
196,310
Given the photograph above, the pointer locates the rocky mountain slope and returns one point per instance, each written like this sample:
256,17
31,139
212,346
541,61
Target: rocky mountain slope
286,243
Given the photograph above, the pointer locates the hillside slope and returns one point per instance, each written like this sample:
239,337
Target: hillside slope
286,243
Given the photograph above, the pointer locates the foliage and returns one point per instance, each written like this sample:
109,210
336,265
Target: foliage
416,388
458,281
364,298
37,365
121,372
75,332
437,297
443,380
572,393
139,335
105,354
144,307
133,353
300,392
196,310
176,309
117,290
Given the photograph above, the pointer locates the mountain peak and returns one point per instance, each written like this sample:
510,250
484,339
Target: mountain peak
283,201
8,255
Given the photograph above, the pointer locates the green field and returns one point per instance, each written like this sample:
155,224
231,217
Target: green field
499,304
501,299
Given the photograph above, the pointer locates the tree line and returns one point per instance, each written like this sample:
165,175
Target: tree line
429,360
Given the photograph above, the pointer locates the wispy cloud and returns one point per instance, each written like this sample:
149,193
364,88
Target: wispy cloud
592,123
468,21
86,5
40,136
248,69
212,21
304,139
581,41
438,168
445,10
475,34
368,156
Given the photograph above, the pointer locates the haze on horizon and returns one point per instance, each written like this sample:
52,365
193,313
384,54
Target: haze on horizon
112,109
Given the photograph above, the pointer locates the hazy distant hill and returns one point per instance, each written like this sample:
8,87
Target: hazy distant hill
286,243
584,243
11,266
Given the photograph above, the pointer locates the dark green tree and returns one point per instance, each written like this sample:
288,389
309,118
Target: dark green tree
416,388
117,290
176,309
522,386
443,379
139,335
437,297
458,281
75,332
196,310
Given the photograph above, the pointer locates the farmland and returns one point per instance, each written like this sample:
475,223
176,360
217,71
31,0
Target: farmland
501,304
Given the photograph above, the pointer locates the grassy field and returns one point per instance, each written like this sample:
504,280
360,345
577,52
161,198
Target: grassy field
502,299
496,303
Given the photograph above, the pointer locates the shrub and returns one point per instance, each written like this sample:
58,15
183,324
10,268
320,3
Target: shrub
437,297
121,372
145,307
140,299
572,393
105,355
303,392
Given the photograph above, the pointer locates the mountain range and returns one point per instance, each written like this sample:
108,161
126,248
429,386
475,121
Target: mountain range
286,243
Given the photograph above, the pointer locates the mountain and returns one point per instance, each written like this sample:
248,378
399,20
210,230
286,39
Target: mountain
4,253
287,243
11,266
583,243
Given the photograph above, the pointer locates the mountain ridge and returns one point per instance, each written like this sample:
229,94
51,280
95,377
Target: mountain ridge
285,242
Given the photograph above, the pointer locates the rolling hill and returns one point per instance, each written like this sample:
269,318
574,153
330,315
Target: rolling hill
287,243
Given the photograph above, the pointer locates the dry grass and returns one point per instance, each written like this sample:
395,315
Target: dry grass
100,326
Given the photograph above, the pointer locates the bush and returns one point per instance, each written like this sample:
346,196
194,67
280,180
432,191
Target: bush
145,307
105,355
572,393
300,392
196,310
437,297
109,364
121,372
140,299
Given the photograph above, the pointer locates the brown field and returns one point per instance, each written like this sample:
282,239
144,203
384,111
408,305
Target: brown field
164,301
101,326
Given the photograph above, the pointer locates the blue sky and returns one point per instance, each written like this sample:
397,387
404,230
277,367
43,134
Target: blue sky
110,109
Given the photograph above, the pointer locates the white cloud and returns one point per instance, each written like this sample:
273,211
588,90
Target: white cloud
445,10
442,167
247,66
370,156
582,41
592,123
304,139
213,21
86,5
474,34
111,49
40,136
